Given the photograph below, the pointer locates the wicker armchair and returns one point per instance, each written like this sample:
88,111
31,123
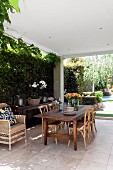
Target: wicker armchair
11,134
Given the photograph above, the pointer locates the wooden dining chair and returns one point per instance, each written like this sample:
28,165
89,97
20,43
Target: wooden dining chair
83,127
92,120
54,125
43,109
52,106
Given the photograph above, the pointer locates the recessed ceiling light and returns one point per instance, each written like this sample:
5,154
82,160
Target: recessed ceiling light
100,28
107,44
68,49
50,37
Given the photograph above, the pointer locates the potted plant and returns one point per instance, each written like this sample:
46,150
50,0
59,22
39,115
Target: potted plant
34,99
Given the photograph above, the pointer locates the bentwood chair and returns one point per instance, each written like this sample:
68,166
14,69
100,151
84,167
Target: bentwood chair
83,127
52,106
92,120
43,109
54,125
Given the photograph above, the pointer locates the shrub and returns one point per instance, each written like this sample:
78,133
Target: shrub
111,89
98,94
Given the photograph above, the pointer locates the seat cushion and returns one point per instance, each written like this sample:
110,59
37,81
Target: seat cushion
3,105
17,127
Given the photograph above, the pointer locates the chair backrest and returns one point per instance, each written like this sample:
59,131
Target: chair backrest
87,117
93,112
52,106
43,108
95,106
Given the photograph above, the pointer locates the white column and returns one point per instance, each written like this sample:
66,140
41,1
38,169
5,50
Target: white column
62,80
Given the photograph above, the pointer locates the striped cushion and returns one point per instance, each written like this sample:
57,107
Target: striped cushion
7,114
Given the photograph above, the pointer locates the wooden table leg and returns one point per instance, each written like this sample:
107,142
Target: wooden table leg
75,134
45,123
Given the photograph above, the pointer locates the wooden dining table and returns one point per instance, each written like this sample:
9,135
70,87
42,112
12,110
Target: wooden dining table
56,115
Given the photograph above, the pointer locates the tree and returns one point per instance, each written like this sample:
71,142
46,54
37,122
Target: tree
98,69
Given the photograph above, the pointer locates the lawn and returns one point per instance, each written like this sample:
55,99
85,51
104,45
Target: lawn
104,114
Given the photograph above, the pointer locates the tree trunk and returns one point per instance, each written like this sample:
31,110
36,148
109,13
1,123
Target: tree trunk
93,87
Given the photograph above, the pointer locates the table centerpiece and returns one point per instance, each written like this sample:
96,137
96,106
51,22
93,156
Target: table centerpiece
73,99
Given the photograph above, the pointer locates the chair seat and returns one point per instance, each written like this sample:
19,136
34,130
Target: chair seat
12,134
79,125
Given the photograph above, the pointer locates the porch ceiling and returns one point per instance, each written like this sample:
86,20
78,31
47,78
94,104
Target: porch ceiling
69,27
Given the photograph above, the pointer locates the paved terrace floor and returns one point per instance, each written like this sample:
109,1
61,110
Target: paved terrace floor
35,156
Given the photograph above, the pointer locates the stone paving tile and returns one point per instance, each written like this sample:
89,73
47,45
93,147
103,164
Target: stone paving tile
96,157
112,150
35,156
110,162
101,148
89,165
109,167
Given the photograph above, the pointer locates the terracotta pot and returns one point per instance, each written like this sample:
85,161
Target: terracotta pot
33,102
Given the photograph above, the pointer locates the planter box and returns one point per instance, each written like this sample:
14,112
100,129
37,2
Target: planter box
89,100
33,102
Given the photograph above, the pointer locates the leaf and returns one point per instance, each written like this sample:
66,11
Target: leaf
14,3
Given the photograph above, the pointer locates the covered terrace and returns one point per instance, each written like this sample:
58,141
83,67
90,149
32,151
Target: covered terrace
70,29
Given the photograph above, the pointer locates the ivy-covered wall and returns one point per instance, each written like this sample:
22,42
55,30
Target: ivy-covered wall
17,72
20,66
73,75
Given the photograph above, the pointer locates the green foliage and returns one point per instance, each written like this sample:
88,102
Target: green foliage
18,71
52,59
73,74
70,80
111,89
98,94
14,3
99,69
21,65
18,47
6,6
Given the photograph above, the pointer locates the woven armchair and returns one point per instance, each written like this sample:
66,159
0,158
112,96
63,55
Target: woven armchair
11,134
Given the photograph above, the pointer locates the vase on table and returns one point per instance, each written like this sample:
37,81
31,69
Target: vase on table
70,106
78,102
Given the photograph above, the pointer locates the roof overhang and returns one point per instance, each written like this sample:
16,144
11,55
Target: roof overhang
70,28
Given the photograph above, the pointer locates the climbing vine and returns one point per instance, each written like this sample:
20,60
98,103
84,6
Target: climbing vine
22,64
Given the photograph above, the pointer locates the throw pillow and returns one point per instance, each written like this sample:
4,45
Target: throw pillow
7,114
